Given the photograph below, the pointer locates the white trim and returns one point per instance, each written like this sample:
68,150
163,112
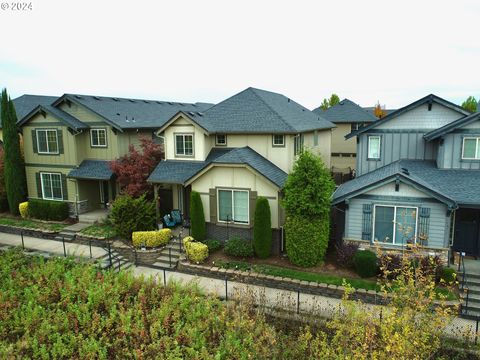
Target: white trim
98,137
476,147
394,222
46,141
51,182
219,143
283,140
183,136
232,190
379,146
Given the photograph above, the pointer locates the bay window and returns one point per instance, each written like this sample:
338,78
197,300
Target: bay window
395,225
233,206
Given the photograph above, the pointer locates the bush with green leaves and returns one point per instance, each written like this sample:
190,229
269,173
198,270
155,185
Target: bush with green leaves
151,239
47,209
212,244
130,214
197,252
448,276
239,247
366,264
262,229
197,217
305,240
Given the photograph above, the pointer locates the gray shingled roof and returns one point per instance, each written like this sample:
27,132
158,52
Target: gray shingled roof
259,111
92,170
26,103
371,110
68,119
434,134
179,172
346,111
133,113
454,186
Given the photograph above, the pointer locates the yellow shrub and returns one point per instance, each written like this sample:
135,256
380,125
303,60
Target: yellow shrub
151,238
187,240
23,208
197,252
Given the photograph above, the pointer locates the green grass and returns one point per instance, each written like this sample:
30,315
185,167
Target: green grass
449,295
32,224
100,230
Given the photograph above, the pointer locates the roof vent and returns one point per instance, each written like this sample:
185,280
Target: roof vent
288,99
126,119
114,99
118,114
78,97
191,113
405,171
170,103
146,101
159,102
180,104
96,98
131,100
200,114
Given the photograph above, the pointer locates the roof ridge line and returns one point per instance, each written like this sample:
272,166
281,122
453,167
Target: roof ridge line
267,105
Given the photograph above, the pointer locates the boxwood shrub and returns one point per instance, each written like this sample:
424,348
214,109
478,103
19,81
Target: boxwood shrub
365,262
239,247
212,244
197,252
151,238
48,209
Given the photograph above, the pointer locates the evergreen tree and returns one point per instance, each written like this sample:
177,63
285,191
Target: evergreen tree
199,231
14,170
470,104
262,229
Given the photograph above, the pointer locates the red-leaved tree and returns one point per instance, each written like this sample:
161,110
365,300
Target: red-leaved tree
133,168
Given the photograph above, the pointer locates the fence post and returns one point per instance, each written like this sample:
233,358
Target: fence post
23,243
136,259
64,250
170,256
226,288
90,245
164,278
476,331
298,301
110,254
118,262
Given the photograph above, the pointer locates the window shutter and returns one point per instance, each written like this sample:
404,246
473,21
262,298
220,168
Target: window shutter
64,187
60,141
251,206
34,141
213,205
39,185
367,222
423,224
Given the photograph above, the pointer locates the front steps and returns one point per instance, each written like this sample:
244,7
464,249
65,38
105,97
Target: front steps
170,255
118,262
470,305
66,234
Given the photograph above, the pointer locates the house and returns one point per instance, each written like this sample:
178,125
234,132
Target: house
234,152
70,140
348,117
418,172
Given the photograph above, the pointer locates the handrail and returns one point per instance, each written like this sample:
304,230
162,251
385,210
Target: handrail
464,283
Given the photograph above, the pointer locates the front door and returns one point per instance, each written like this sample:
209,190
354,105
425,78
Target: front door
104,193
467,231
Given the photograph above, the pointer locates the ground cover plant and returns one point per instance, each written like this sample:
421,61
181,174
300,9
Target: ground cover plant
106,231
31,224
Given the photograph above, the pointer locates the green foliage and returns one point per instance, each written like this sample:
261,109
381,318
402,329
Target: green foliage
132,214
212,244
239,247
197,252
31,224
448,275
327,103
199,231
365,262
3,191
307,240
103,230
47,209
14,169
470,104
262,229
151,239
23,209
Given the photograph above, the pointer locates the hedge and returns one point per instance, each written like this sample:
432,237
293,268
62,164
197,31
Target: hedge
262,229
197,217
48,209
239,247
151,238
197,252
23,208
366,264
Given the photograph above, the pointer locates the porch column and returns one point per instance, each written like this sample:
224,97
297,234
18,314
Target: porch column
157,202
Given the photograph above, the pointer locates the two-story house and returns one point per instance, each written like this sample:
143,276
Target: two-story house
70,140
348,117
234,152
418,172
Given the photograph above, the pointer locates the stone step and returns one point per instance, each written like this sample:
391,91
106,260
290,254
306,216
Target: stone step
163,264
166,258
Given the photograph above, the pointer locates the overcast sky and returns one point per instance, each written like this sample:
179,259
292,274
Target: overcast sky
209,50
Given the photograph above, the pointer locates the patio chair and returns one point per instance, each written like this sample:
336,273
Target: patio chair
176,216
169,222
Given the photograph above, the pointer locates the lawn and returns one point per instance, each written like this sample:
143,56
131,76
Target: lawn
100,231
31,224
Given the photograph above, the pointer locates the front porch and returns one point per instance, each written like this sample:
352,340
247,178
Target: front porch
92,217
467,232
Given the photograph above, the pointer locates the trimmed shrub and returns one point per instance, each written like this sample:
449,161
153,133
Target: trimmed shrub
262,229
345,253
365,263
151,238
186,240
431,266
307,240
239,247
132,214
197,217
23,208
197,252
48,209
212,244
448,275
390,265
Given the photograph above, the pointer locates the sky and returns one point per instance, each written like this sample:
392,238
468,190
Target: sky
393,52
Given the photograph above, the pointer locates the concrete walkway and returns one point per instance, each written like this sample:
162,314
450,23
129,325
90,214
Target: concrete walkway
293,301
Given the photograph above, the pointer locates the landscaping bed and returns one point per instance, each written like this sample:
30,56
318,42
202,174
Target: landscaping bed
99,231
30,224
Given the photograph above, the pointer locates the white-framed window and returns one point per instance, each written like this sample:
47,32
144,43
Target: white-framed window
51,186
233,205
278,140
221,139
374,144
355,126
98,137
184,144
471,148
396,225
47,141
297,144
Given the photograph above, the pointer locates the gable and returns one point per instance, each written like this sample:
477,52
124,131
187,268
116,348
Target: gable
82,113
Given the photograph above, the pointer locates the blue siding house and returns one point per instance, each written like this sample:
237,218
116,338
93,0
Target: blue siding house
418,180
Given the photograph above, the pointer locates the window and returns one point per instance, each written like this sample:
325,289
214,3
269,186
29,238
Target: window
184,144
221,139
374,147
471,148
395,224
233,206
98,137
47,141
355,126
315,138
51,186
297,144
278,140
